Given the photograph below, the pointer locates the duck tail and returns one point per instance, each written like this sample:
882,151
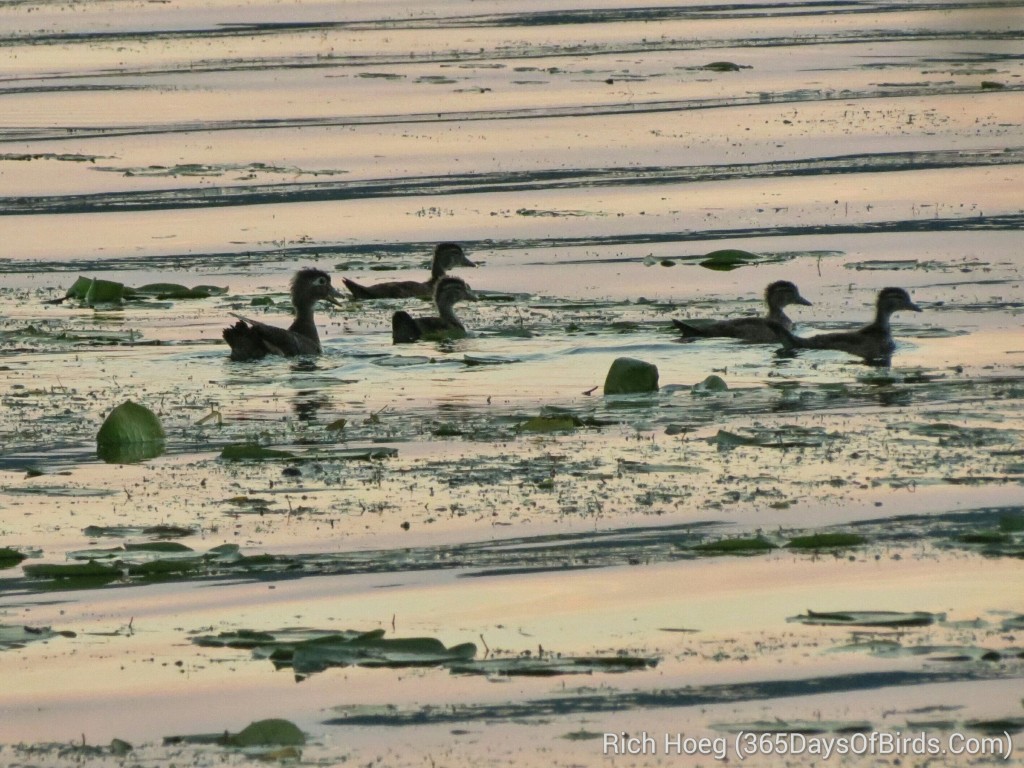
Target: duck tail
689,331
245,342
357,291
404,329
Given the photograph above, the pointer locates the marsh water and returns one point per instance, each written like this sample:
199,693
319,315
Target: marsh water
820,547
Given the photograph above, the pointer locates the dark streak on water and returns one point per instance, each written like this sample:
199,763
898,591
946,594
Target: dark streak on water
453,184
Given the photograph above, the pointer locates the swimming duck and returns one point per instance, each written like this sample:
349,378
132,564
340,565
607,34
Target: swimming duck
777,296
252,340
405,328
446,256
873,342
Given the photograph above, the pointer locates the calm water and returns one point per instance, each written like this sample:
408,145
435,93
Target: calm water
586,159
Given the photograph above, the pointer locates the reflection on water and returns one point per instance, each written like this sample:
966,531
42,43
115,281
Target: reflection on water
587,160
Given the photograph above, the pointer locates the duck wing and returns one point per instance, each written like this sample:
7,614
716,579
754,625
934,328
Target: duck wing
754,329
399,289
251,334
404,328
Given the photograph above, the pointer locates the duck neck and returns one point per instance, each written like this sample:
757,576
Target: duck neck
437,270
446,309
776,314
304,324
882,316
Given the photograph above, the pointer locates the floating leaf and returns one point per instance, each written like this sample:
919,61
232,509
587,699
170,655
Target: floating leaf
10,557
175,291
89,571
550,666
711,385
728,259
130,433
826,541
739,546
269,732
870,618
17,637
252,452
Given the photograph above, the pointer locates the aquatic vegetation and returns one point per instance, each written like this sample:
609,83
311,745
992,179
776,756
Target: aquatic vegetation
130,433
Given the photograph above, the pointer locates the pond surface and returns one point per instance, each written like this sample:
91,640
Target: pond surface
822,548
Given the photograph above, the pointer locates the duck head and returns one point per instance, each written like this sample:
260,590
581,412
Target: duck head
448,255
312,285
782,293
450,290
895,299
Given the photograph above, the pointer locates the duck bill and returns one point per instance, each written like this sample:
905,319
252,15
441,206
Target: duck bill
472,296
913,307
334,297
802,301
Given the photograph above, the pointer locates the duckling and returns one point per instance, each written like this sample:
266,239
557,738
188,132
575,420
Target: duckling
777,296
873,342
446,256
252,340
449,290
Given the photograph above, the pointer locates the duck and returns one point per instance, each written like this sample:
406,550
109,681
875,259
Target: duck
253,340
446,256
406,329
873,342
777,296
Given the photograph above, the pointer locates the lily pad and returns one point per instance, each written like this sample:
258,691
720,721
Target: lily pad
274,731
130,433
711,385
738,546
175,291
19,636
826,541
551,666
10,557
252,452
628,375
870,618
93,291
728,259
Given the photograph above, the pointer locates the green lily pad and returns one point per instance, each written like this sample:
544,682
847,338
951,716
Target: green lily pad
551,666
252,452
739,546
269,732
130,433
826,541
93,291
90,571
10,557
728,259
711,385
18,637
870,618
175,291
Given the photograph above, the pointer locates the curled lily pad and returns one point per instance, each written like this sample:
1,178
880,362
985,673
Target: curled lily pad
269,732
92,291
130,433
